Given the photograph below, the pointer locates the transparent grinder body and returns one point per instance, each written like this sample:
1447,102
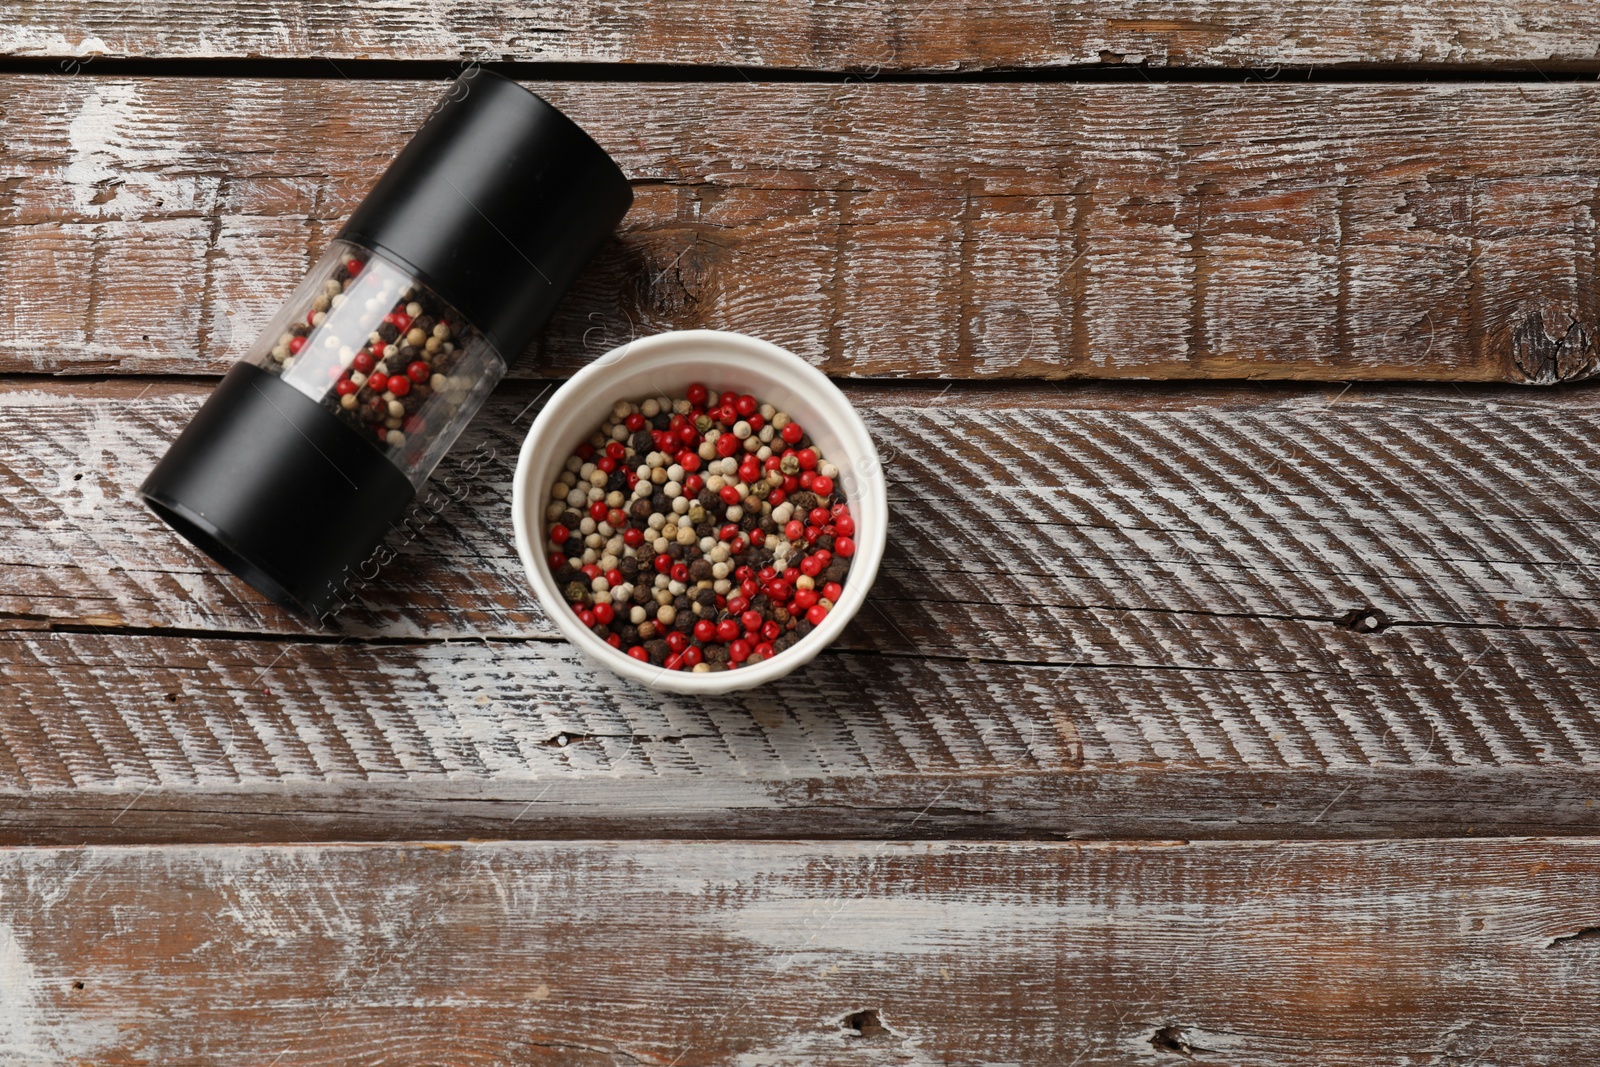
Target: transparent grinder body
370,342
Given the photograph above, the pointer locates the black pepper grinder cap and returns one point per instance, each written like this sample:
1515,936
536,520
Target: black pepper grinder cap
497,202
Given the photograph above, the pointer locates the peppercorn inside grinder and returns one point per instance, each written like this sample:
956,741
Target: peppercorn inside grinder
314,445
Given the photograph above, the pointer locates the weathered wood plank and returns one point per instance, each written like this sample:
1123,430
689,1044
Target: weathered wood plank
867,36
1279,507
1166,588
118,738
876,953
968,230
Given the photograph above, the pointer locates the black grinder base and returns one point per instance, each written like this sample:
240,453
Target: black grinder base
263,473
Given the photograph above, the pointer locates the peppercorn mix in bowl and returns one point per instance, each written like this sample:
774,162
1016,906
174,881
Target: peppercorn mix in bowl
700,511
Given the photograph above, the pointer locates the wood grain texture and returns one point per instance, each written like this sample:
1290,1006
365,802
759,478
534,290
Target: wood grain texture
788,954
1166,587
1332,232
865,36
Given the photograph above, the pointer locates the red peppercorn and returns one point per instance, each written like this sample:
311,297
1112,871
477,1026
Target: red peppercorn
778,591
728,532
697,394
727,445
807,478
844,546
416,424
727,629
771,630
585,616
676,641
633,479
617,518
743,571
616,450
689,461
771,463
590,571
822,485
399,384
689,438
728,398
693,484
632,538
749,587
746,405
803,599
832,591
399,319
614,640
844,525
676,423
816,614
557,560
598,511
584,450
790,484
353,266
727,415
559,534
739,651
638,652
750,470
794,529
811,566
634,422
378,382
737,603
311,318
758,537
296,344
419,371
604,613
764,650
606,463
776,497
756,422
705,630
663,563
807,458
363,361
344,387
680,572
792,433
692,656
751,619
818,516
614,577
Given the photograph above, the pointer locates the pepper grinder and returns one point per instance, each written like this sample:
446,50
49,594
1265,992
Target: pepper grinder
315,444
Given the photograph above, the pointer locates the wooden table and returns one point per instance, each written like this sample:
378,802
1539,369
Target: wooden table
1255,723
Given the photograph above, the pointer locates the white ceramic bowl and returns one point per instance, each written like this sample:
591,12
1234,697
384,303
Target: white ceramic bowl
664,366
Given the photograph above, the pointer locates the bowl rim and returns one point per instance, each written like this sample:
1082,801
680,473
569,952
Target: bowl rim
871,508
